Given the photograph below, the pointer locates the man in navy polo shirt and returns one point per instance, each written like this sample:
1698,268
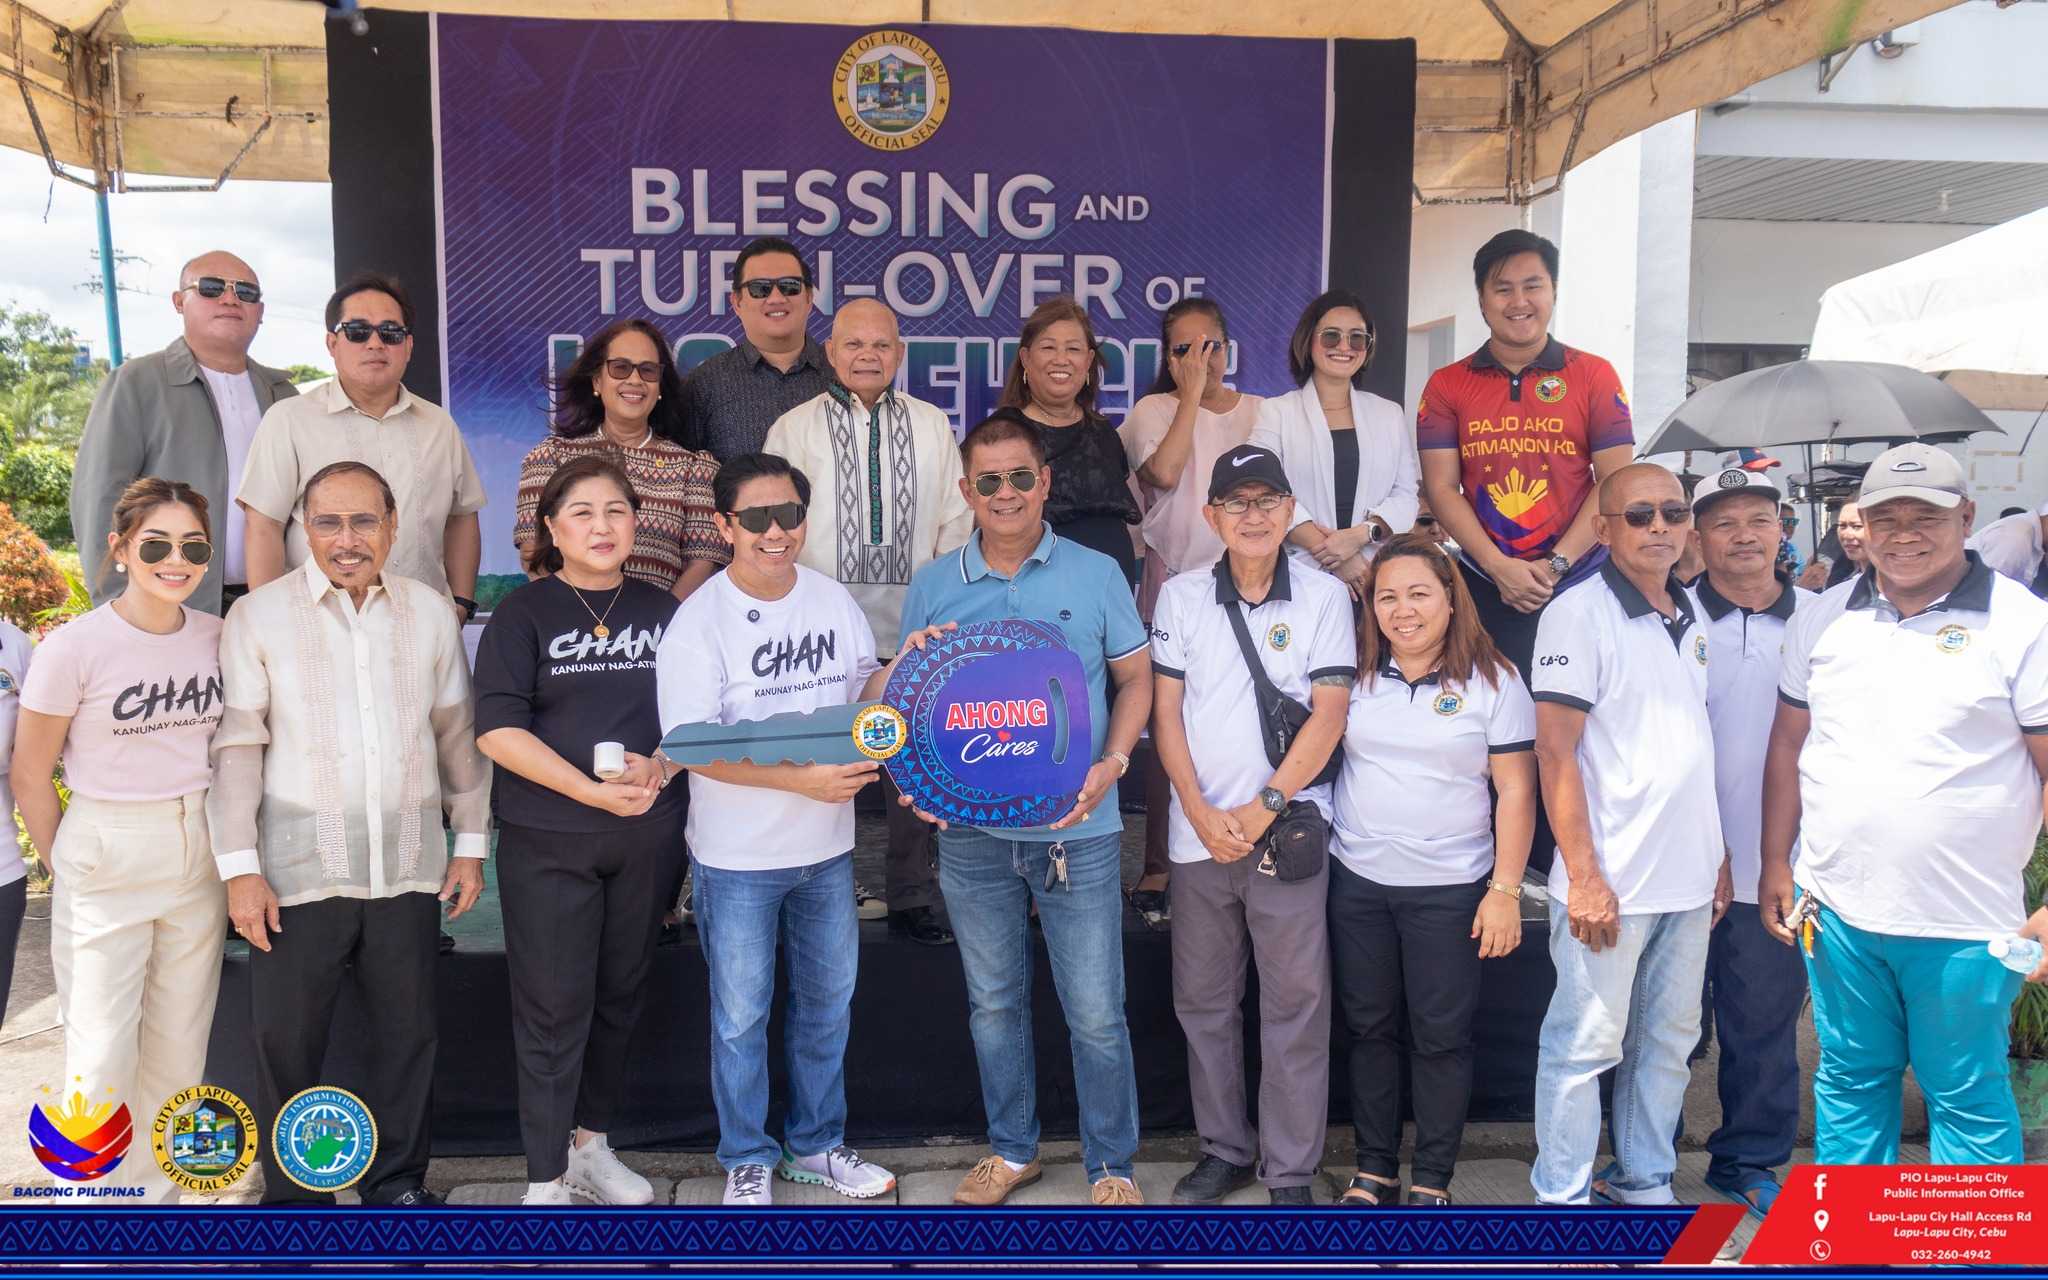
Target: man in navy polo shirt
1014,567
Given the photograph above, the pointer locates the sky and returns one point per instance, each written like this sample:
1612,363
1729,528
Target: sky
282,229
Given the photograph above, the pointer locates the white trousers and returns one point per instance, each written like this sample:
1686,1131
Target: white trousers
137,921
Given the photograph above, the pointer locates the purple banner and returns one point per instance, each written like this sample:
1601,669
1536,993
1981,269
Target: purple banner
962,174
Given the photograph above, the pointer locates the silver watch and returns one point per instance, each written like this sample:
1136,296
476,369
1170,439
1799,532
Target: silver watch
1272,799
1560,566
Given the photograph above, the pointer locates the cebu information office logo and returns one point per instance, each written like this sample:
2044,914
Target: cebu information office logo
891,90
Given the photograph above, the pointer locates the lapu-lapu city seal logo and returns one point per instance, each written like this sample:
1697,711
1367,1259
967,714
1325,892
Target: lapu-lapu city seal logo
891,90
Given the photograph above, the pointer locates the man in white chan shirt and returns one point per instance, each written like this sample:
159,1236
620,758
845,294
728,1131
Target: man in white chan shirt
773,843
1626,757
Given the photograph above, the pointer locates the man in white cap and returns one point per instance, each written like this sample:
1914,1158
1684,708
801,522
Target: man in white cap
1907,759
1755,987
2017,546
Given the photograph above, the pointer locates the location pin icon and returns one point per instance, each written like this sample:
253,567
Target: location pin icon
1820,1219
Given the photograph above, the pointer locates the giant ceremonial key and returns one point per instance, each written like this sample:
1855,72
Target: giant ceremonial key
986,727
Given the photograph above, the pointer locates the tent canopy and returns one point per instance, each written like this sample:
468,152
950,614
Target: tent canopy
1509,93
1969,311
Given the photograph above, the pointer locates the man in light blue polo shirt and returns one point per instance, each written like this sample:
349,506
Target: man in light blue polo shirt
1014,567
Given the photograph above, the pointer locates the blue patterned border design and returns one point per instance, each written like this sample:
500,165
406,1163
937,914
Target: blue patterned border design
40,1236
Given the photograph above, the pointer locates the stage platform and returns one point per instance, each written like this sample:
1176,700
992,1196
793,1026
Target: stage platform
910,1072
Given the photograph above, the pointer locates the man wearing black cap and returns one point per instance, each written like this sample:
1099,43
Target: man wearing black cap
1230,897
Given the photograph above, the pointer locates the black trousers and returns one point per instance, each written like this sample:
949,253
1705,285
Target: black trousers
1396,945
1514,634
388,947
912,868
581,913
13,905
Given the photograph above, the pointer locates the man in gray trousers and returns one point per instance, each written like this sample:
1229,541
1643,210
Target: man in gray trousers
185,413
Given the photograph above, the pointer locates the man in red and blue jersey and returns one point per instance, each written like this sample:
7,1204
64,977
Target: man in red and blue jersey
1514,440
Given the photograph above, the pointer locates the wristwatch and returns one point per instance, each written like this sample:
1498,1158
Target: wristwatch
1559,566
1512,890
1123,762
467,606
1272,799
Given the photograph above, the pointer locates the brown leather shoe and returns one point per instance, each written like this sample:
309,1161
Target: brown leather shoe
1116,1191
991,1182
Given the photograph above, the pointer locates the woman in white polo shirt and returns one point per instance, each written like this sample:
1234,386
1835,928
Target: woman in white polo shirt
1428,876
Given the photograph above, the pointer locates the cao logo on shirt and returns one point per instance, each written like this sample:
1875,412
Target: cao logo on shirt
1280,636
1952,638
1551,389
1699,649
1447,704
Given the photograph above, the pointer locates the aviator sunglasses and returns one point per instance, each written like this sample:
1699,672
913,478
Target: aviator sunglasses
989,483
788,515
158,550
757,289
359,331
214,286
1640,514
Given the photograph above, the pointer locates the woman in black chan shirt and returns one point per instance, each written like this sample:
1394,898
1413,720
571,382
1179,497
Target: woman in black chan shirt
566,663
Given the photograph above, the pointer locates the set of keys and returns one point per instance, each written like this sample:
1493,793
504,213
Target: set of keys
1805,920
1056,865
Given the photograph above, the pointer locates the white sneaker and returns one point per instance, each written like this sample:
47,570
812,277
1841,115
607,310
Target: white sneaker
841,1169
748,1184
547,1193
866,905
598,1173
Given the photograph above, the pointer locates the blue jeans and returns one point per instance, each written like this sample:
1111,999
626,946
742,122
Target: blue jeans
988,881
1942,1005
741,915
1756,984
1634,1005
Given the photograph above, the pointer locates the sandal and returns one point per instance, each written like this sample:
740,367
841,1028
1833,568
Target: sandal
1756,1197
1367,1193
1427,1200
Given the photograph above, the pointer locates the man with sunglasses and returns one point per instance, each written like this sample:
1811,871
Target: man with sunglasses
733,398
1014,566
187,413
888,493
1625,751
367,415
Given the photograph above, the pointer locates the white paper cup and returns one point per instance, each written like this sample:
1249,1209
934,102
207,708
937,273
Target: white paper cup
608,760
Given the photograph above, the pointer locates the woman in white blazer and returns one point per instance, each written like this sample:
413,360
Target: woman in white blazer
1349,454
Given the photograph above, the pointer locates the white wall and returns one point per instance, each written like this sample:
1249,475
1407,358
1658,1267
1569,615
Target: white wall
1760,282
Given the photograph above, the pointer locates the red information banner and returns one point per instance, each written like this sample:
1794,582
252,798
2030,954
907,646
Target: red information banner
1907,1215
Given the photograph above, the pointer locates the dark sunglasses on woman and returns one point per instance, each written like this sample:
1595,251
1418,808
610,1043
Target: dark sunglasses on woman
988,483
1208,345
359,331
1640,514
789,516
158,550
788,286
649,371
214,286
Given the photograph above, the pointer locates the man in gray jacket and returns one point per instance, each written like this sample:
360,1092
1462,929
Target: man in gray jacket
185,413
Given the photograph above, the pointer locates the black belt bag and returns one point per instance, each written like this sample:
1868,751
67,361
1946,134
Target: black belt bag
1296,846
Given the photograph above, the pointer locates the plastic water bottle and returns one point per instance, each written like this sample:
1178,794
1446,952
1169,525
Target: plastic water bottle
2021,955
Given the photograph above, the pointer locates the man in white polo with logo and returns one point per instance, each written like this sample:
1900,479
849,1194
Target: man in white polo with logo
1755,988
1227,793
1625,753
1907,760
2017,546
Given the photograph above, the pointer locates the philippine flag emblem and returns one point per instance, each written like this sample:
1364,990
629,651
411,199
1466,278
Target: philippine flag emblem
80,1140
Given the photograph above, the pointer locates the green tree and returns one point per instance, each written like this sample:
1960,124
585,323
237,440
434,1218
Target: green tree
45,390
36,478
300,374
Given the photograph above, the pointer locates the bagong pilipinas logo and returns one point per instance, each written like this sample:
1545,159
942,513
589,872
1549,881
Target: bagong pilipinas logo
324,1138
880,731
204,1139
80,1140
890,90
1550,389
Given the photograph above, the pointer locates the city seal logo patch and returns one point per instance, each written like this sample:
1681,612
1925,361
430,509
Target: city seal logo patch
1550,388
6,680
1280,635
891,90
1732,478
1447,704
1699,650
324,1139
1952,638
204,1139
880,731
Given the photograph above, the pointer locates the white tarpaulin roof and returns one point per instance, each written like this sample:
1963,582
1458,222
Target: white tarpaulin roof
1970,311
1509,93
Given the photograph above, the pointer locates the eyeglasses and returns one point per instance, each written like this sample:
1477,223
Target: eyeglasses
789,516
1265,502
989,483
789,286
1356,339
214,286
1640,514
359,331
363,524
1208,345
158,550
649,371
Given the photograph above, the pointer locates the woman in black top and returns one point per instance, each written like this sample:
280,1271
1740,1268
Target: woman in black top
1052,385
567,662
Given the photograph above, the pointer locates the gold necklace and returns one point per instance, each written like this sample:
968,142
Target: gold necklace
601,631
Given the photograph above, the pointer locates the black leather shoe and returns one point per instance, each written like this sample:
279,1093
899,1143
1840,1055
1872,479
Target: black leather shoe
412,1198
446,945
922,925
1211,1180
1293,1197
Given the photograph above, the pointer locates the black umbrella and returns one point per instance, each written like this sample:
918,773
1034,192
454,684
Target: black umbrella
1819,402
